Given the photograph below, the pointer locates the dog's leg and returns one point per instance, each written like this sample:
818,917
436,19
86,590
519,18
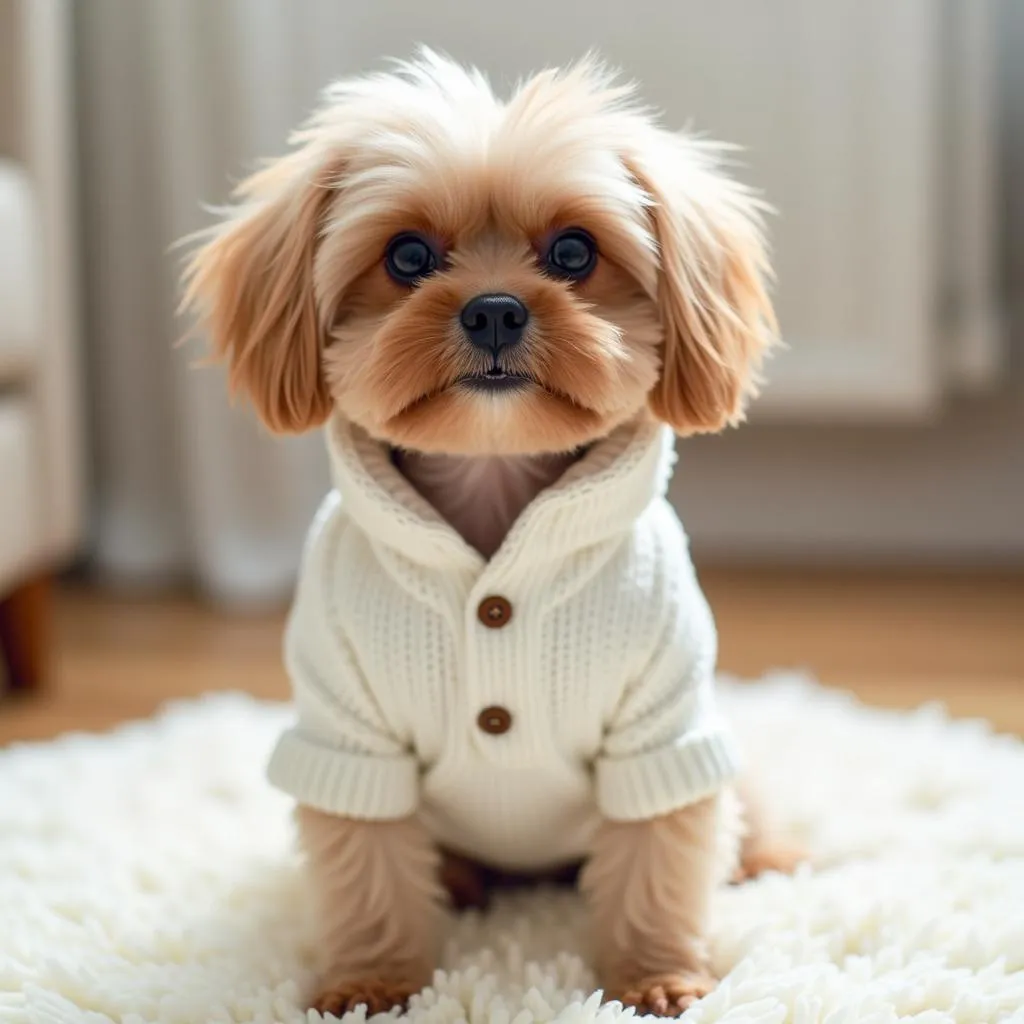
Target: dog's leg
378,895
649,885
764,848
466,882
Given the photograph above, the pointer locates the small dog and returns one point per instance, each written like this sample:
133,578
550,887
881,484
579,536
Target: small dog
498,648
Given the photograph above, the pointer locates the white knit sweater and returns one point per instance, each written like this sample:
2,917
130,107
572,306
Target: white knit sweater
604,665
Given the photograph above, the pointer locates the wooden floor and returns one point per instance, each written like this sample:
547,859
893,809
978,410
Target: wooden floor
896,640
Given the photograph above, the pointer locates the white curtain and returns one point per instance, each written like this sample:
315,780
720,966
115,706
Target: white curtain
880,164
176,97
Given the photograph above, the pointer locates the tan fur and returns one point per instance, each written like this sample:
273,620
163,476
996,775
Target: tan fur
649,885
777,856
252,279
291,286
378,894
718,320
764,846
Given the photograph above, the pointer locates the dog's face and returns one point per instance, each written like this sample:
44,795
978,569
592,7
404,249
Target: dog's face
462,275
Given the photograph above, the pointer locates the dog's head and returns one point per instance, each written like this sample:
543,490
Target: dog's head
458,274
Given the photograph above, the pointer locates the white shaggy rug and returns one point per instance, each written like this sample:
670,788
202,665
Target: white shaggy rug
147,876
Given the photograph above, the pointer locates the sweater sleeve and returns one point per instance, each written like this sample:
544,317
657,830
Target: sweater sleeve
666,746
341,756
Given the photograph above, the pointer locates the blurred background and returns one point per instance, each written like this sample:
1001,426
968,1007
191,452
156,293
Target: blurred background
868,523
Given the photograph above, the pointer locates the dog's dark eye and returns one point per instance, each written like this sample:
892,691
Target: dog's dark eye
409,258
573,254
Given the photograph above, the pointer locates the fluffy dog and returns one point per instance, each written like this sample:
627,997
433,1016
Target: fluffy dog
503,311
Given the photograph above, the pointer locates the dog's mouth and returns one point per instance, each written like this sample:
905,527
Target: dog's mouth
495,380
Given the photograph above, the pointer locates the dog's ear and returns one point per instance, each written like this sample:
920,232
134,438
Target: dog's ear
251,282
711,291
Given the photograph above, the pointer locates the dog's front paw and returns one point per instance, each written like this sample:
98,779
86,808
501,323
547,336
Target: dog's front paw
378,995
666,995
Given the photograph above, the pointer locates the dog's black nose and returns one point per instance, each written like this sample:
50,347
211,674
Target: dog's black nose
494,322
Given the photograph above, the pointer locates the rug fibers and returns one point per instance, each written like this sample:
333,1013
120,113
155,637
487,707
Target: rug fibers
148,875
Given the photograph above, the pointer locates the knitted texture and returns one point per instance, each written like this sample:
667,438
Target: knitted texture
605,665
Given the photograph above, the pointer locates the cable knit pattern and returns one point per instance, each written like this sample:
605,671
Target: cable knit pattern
605,666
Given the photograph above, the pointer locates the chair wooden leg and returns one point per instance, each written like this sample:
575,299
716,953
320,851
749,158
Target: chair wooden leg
25,633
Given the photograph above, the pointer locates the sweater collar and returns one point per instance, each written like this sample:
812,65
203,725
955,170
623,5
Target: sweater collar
598,497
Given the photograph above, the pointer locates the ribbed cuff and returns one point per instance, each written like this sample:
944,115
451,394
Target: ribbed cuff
338,782
665,779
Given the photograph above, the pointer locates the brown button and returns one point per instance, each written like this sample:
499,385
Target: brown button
494,720
494,612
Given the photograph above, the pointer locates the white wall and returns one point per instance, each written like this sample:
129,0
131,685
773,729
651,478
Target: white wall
948,492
